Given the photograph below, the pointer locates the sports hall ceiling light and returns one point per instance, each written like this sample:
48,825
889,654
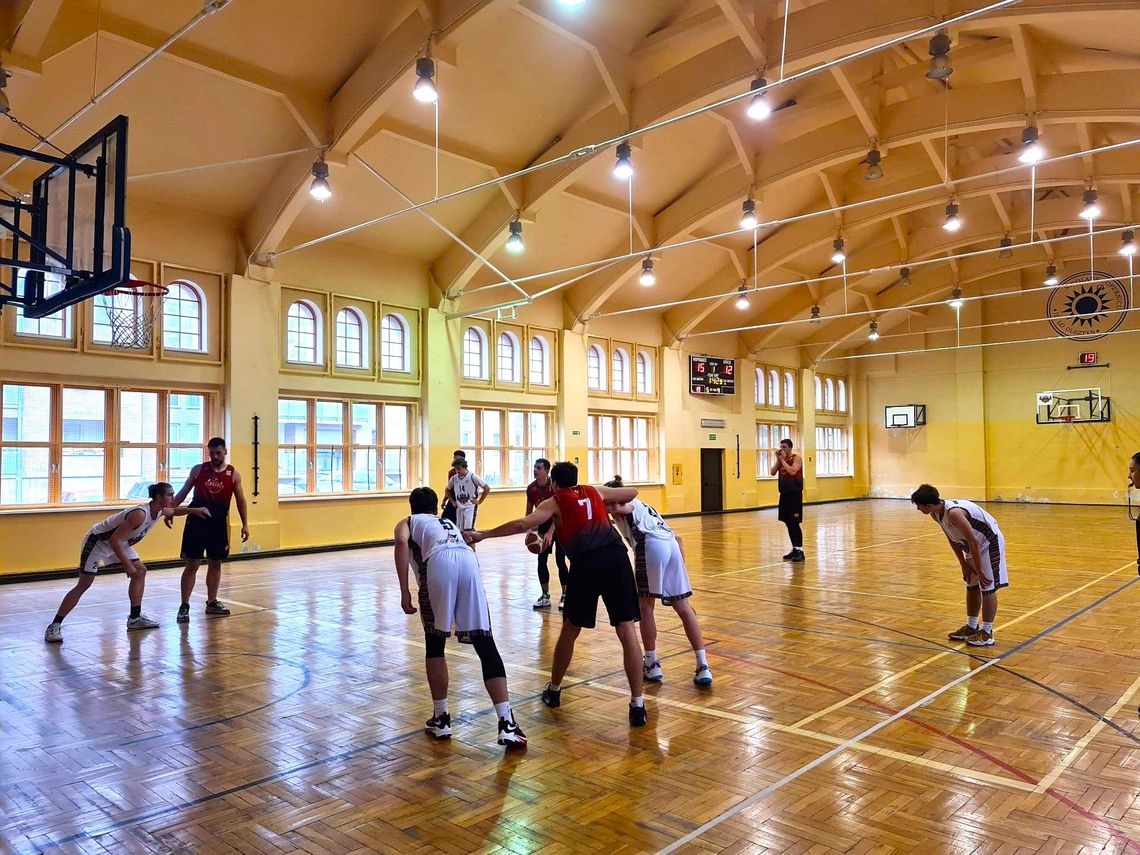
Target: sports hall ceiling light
873,335
1031,148
647,277
515,243
759,108
953,221
572,3
838,256
1127,243
748,215
623,169
815,318
742,301
874,170
956,301
1051,275
940,67
424,90
320,189
904,277
1091,209
1006,247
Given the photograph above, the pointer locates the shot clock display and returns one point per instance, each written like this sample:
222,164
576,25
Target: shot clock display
1088,358
711,375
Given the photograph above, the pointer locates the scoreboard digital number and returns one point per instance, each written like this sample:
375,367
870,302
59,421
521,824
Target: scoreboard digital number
711,375
1088,357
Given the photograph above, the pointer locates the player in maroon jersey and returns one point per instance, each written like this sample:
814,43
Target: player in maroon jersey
599,567
214,483
539,490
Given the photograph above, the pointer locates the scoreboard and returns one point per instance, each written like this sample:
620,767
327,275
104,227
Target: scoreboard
711,375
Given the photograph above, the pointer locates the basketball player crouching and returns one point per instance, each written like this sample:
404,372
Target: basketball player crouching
980,547
450,593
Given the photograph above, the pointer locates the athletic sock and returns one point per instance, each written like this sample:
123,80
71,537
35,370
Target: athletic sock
702,659
58,618
554,687
639,701
971,622
503,710
439,708
650,657
988,627
135,612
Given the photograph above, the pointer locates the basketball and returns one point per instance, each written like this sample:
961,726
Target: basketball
534,542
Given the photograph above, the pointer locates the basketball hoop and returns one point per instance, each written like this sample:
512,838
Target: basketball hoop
1066,418
132,309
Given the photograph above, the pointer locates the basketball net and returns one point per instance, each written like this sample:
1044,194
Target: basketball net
132,310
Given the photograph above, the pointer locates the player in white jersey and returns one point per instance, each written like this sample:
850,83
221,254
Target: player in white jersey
466,490
659,568
980,547
113,540
450,594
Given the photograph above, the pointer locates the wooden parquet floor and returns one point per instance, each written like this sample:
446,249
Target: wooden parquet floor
840,721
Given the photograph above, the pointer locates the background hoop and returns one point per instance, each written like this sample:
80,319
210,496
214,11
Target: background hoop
132,308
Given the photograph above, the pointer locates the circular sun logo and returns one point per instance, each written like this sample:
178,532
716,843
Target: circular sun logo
1087,306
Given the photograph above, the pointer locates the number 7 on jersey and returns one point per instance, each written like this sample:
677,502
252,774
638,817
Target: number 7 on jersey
589,508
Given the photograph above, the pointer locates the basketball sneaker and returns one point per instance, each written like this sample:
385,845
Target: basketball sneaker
216,608
542,602
798,557
791,555
54,633
637,716
962,633
183,614
980,638
653,672
141,622
562,602
510,734
552,697
439,726
703,676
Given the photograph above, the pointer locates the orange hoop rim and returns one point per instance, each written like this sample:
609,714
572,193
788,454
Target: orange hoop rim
140,288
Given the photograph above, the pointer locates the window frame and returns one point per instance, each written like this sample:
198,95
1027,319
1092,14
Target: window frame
833,451
66,316
199,296
620,372
386,345
596,449
513,358
544,361
776,430
318,333
480,336
644,385
530,448
364,339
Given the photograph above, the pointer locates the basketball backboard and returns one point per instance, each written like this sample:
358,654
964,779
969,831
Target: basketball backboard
70,241
1069,406
904,415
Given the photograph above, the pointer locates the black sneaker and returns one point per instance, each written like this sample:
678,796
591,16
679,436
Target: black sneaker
637,716
552,697
215,607
791,556
798,557
439,726
183,614
510,734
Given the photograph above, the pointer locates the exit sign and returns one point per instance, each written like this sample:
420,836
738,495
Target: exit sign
1088,358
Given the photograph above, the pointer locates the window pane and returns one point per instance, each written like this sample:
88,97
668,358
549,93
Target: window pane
516,429
591,431
138,469
81,475
292,471
330,423
395,425
179,462
492,428
625,432
641,466
467,421
625,465
606,423
492,463
641,432
517,470
363,470
538,429
292,422
395,469
27,414
762,441
330,471
186,418
364,425
24,476
83,415
138,416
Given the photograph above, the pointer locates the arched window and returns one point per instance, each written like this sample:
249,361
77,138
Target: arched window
395,344
760,396
474,354
644,373
507,359
183,318
303,333
595,368
818,393
828,394
620,381
351,333
539,361
57,325
842,396
789,389
773,388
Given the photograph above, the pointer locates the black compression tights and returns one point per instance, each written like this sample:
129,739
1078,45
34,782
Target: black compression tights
795,533
484,646
560,560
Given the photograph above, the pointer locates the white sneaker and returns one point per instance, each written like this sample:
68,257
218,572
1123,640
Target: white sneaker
542,602
703,676
53,634
141,622
652,673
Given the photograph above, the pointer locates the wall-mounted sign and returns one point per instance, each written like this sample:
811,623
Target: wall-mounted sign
714,423
1087,306
712,375
712,437
676,473
575,433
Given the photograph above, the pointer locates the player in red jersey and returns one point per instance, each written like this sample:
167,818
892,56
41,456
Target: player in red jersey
214,483
599,567
541,489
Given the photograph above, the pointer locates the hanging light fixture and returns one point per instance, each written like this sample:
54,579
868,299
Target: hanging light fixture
1051,275
1091,209
873,335
742,301
1006,247
904,277
647,278
874,170
956,301
1031,149
838,256
940,67
515,243
1127,243
748,214
320,189
424,91
815,318
759,108
953,221
623,169
572,3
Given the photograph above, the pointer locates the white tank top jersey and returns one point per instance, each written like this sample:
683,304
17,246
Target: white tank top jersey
982,525
104,530
429,534
643,523
466,488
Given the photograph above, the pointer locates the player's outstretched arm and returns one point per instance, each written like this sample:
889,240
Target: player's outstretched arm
617,495
204,513
403,556
181,495
535,518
